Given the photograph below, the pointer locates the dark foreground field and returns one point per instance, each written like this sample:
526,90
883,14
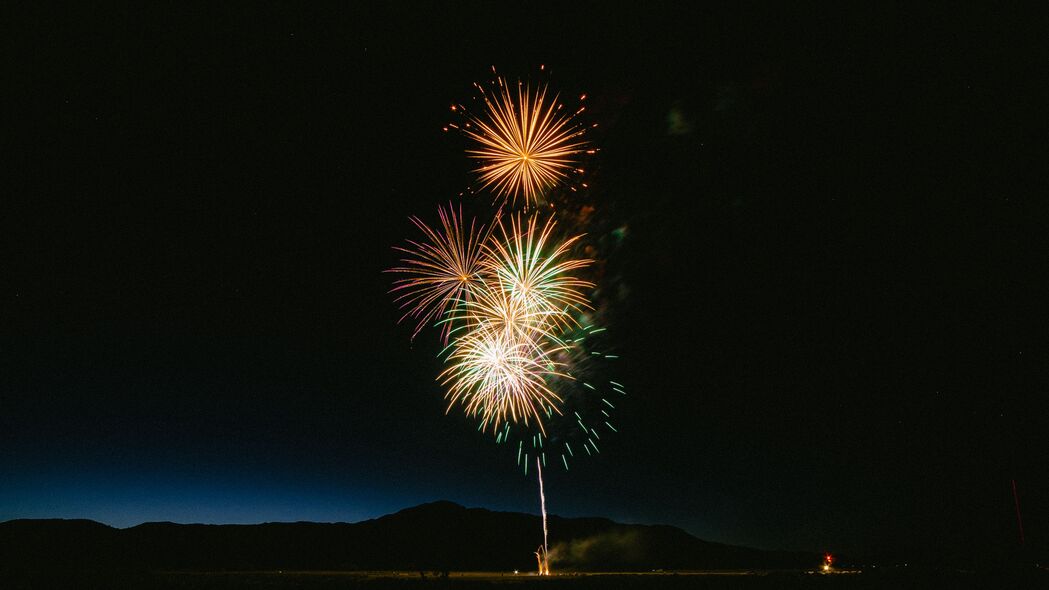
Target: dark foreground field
476,581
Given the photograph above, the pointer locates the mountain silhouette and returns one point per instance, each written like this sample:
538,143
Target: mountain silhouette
436,536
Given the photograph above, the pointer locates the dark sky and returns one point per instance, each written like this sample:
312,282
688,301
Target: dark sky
834,333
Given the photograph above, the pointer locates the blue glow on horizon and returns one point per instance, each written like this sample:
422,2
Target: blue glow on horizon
136,498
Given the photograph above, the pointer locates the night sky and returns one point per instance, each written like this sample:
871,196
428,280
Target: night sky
834,273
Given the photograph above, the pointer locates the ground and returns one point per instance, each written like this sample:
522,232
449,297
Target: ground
276,580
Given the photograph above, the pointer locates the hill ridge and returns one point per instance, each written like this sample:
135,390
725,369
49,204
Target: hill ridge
440,535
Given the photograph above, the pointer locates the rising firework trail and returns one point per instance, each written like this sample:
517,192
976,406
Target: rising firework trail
543,554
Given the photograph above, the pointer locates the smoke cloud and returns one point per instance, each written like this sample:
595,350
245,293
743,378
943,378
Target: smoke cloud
617,547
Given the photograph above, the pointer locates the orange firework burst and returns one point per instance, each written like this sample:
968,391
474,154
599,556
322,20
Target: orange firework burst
527,142
443,269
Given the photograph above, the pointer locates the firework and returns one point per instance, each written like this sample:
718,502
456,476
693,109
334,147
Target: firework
500,376
508,304
534,276
527,285
589,400
526,143
442,269
512,309
503,357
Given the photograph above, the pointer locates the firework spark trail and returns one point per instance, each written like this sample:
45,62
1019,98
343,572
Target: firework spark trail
526,143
